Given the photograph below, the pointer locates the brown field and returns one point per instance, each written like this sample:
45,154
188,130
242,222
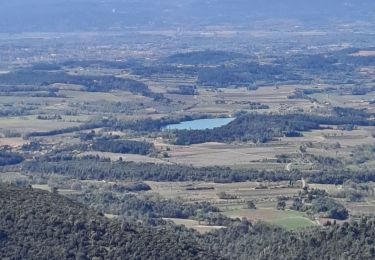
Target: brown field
46,187
323,142
209,154
361,136
243,190
31,124
364,54
115,96
366,208
354,101
189,223
237,99
12,142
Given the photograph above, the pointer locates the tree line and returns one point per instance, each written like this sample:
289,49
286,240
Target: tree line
10,158
96,168
122,146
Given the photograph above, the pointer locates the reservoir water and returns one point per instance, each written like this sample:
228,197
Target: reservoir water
200,124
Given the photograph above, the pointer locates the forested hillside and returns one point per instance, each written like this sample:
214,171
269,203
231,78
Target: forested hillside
349,241
39,225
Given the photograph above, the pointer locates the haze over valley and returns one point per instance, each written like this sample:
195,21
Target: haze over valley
214,129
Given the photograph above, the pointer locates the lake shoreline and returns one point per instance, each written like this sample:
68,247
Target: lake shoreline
200,124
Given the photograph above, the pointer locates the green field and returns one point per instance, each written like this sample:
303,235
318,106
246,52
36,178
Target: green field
288,219
294,220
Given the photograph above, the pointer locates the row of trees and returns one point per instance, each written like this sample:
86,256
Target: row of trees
122,146
94,167
9,158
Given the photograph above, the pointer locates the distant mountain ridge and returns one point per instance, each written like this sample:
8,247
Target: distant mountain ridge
89,15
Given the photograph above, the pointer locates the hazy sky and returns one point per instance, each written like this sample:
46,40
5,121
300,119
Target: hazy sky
65,15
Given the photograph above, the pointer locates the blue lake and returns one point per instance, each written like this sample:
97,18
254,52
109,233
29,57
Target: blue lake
200,124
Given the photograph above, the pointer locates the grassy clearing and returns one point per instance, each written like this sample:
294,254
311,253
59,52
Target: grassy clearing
294,223
294,220
288,219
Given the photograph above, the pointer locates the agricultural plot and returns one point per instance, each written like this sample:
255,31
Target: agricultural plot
194,225
354,101
26,124
200,191
209,154
265,200
288,219
12,142
231,100
127,157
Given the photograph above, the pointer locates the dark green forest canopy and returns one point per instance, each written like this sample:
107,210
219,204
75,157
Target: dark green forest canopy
96,168
122,146
9,158
38,225
354,240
